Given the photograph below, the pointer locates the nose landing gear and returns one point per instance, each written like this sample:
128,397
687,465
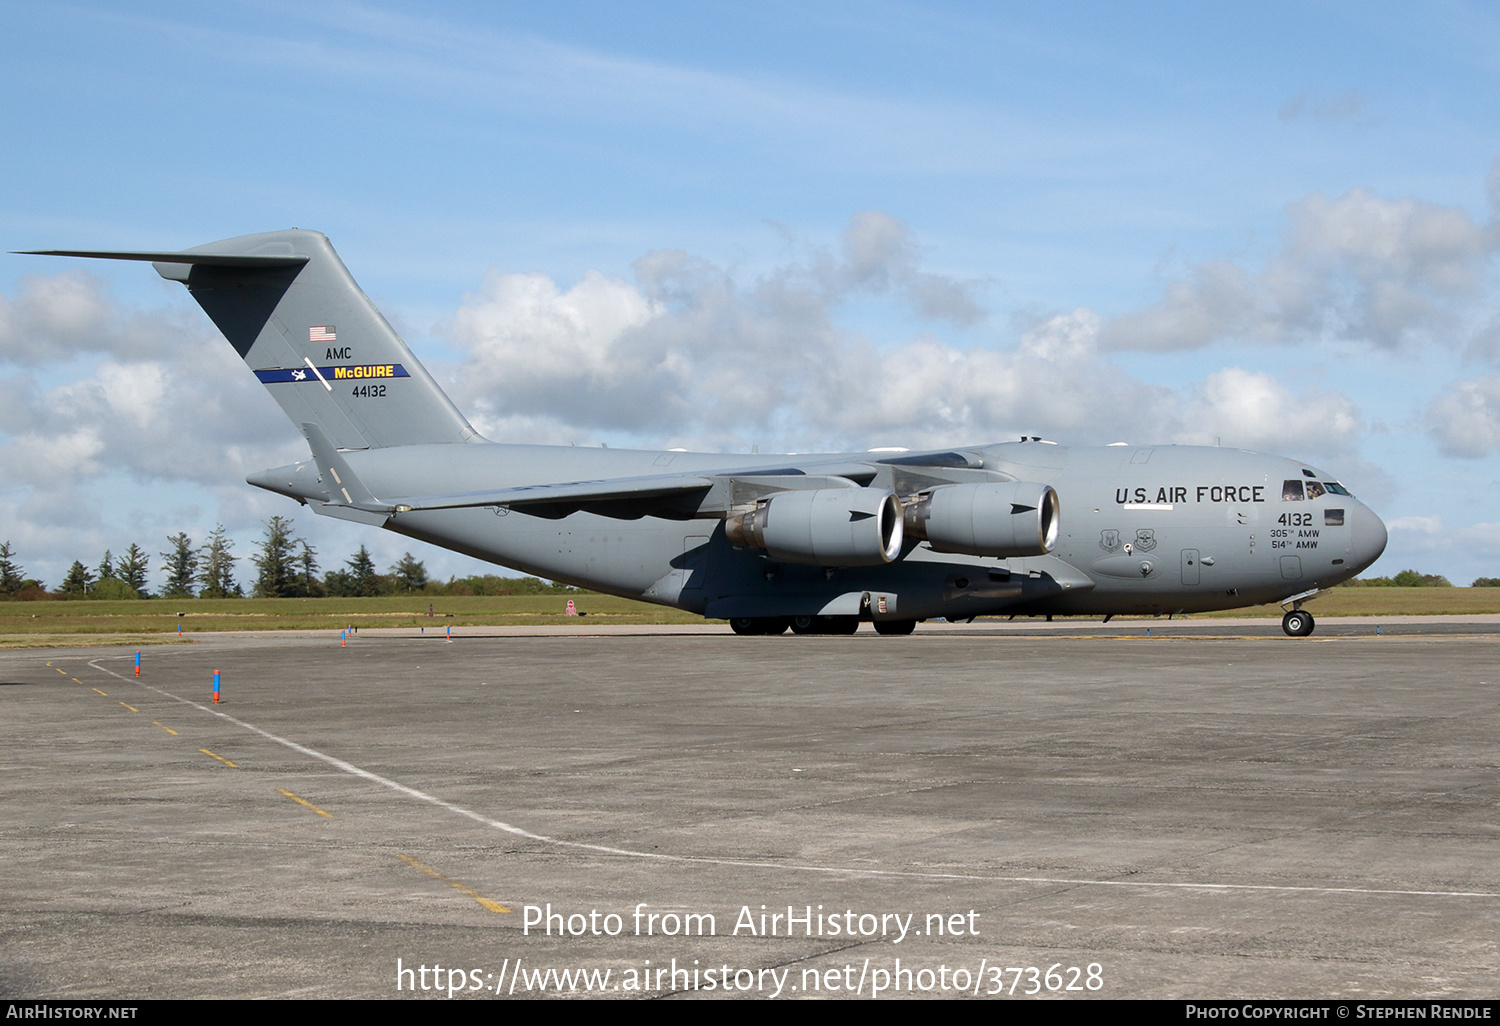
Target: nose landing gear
1298,623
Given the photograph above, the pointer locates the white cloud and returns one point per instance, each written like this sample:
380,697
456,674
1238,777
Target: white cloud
1423,540
1465,419
1241,404
685,347
535,349
1429,527
880,257
687,354
1353,268
1338,108
59,316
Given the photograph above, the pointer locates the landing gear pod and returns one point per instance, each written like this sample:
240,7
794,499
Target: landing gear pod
1012,518
826,526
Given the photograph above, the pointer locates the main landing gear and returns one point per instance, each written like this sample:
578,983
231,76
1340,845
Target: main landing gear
814,625
825,624
759,624
1298,623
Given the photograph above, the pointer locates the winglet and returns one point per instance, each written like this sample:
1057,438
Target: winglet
337,476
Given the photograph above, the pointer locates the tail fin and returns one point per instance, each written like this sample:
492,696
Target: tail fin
288,305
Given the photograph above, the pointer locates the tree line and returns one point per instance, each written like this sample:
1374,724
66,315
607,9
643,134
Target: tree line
285,566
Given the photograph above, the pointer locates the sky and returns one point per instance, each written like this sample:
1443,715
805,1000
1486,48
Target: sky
786,226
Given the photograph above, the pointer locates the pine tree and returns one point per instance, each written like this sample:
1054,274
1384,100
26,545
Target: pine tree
181,567
79,580
12,576
307,571
363,579
275,564
216,567
410,573
133,567
106,568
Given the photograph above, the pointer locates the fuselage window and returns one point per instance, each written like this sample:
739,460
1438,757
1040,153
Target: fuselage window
1291,491
1333,518
1337,489
1314,490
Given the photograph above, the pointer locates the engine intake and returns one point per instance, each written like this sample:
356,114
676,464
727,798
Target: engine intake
825,526
1012,518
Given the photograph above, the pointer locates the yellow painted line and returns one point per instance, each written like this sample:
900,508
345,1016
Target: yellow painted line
493,906
304,801
77,681
130,707
59,670
221,758
163,726
104,693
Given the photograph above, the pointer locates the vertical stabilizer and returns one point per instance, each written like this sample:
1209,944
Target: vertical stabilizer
288,305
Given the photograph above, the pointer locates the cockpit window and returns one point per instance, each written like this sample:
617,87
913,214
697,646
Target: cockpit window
1314,490
1336,488
1291,491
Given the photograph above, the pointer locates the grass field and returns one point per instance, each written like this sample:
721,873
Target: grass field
155,621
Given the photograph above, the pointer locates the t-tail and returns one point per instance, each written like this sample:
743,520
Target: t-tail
288,305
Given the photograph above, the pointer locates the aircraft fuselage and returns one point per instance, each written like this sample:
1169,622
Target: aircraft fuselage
1142,530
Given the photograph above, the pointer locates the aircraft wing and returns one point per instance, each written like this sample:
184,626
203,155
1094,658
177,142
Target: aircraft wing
677,496
566,497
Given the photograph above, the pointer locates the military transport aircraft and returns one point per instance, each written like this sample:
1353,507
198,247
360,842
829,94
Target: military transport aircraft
814,543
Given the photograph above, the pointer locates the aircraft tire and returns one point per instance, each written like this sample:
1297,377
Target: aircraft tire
775,624
744,625
1297,623
895,627
804,625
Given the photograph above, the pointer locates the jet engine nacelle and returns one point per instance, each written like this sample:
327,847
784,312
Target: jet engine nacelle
826,526
1012,518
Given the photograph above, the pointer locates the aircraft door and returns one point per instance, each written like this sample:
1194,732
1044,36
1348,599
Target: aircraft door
1189,566
1291,567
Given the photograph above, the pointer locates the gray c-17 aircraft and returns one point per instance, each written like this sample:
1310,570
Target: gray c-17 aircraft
814,543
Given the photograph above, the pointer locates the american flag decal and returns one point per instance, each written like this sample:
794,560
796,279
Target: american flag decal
322,333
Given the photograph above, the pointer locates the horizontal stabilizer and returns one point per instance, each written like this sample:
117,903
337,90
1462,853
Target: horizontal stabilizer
207,259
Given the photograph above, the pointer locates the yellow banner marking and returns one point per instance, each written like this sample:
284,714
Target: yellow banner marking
493,906
304,801
221,758
168,729
130,707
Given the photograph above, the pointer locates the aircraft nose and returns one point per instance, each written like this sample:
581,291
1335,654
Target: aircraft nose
1367,537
